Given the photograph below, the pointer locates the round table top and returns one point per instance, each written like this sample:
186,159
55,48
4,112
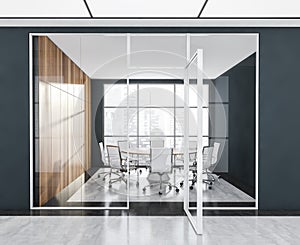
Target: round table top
146,151
137,151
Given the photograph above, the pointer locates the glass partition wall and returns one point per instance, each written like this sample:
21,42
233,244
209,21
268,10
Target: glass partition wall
103,104
65,174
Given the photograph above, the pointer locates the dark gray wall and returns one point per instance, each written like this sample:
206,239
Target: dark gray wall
97,91
279,118
218,127
241,126
14,122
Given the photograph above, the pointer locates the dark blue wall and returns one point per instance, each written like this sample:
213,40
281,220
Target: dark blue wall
279,120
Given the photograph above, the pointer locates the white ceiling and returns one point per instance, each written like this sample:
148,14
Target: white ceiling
150,8
145,8
222,52
159,56
252,8
40,8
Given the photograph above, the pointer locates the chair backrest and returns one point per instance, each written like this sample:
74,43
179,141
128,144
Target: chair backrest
102,153
193,144
161,160
193,150
215,153
123,146
207,156
157,143
114,156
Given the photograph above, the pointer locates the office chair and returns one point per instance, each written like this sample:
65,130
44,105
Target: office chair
118,167
207,158
161,164
123,146
193,151
104,161
214,162
210,160
192,155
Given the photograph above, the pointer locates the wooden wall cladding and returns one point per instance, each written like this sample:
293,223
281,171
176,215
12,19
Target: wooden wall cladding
64,120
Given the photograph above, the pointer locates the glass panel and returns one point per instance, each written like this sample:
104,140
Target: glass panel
180,96
218,120
205,141
113,140
71,168
105,54
156,121
192,95
221,165
62,143
205,121
192,121
144,141
158,51
180,141
219,89
116,95
157,95
116,121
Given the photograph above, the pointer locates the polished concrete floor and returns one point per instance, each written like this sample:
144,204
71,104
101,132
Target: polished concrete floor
131,230
96,190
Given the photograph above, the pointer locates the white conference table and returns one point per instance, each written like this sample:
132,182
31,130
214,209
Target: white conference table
143,151
146,151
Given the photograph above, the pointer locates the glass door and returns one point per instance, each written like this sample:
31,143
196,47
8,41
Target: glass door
193,136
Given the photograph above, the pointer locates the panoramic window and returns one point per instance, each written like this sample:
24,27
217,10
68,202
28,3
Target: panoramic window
156,111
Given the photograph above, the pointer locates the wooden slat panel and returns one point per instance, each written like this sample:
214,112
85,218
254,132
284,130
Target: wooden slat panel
64,130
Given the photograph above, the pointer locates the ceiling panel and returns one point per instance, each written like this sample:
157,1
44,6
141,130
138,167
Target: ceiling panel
145,8
105,55
94,54
35,8
222,52
252,8
158,51
151,8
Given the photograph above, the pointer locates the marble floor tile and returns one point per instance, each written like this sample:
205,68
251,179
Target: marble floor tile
96,190
131,230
